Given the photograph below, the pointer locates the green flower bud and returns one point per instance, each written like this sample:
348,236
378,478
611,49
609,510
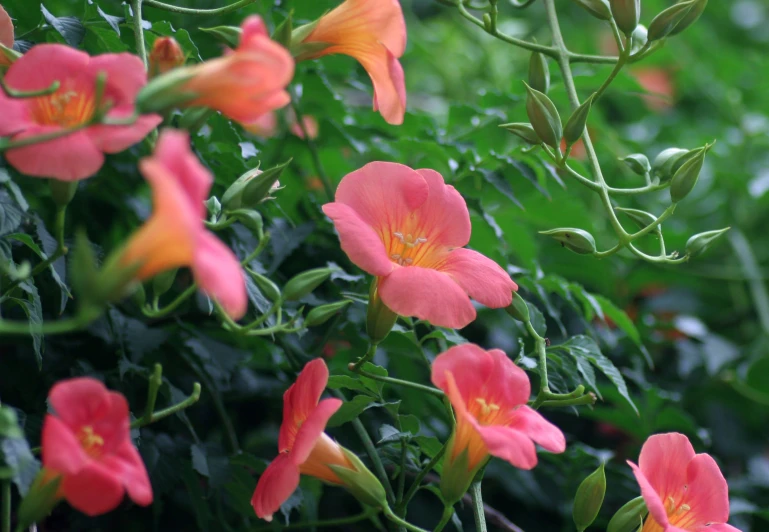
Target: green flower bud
691,17
379,318
539,74
638,39
685,178
252,188
575,126
229,35
642,218
488,24
626,14
300,285
251,219
697,244
163,282
62,192
165,92
664,23
598,8
320,315
589,498
668,161
577,240
524,131
518,309
629,516
360,481
638,163
264,284
10,55
544,117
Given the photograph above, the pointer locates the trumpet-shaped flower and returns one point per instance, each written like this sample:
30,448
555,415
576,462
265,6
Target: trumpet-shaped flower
374,33
174,235
684,491
408,228
243,84
488,393
305,449
88,444
72,106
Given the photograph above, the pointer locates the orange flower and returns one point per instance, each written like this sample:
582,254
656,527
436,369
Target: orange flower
374,33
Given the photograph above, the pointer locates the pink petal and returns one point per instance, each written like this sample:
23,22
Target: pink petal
301,399
427,295
718,527
45,63
173,152
664,460
94,490
114,139
112,423
252,26
652,498
510,445
15,115
312,429
77,402
470,367
389,84
507,384
277,483
359,240
218,273
536,427
69,158
125,76
383,195
444,212
6,29
707,491
127,463
61,450
482,278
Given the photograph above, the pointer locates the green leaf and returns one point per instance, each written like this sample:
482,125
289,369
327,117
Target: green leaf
336,382
70,28
623,321
350,410
10,214
15,451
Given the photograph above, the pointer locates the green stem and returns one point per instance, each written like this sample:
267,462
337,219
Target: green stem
5,495
448,511
397,520
80,320
181,298
421,475
399,382
201,12
160,414
368,444
45,137
13,93
587,399
324,523
155,381
327,188
478,511
636,191
141,49
355,367
540,348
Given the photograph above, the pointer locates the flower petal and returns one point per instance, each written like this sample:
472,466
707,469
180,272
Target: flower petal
45,63
61,450
664,459
312,429
536,427
470,366
482,278
507,384
389,84
77,402
69,158
218,273
114,139
275,486
717,527
428,295
129,465
707,491
510,445
15,113
112,423
94,490
173,152
359,241
125,76
651,497
6,29
444,213
301,400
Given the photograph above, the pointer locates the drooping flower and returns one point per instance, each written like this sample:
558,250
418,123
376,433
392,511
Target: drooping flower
408,228
166,54
80,154
88,444
305,449
488,393
244,84
174,235
684,491
374,33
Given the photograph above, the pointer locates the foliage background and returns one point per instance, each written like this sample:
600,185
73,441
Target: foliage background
704,324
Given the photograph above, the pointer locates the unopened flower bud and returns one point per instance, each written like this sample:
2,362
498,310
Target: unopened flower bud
577,240
266,285
523,130
252,188
544,117
642,218
589,499
302,284
685,178
518,309
575,126
697,244
598,8
539,74
7,56
379,318
638,163
691,17
626,14
320,315
629,517
62,192
667,162
166,55
282,33
664,23
163,282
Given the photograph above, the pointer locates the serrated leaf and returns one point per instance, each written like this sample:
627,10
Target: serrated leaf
10,214
70,28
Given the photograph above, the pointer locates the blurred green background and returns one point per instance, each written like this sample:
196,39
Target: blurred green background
703,325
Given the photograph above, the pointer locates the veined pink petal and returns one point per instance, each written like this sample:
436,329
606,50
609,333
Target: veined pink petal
444,212
510,445
275,486
111,422
45,63
218,273
312,429
664,460
361,243
94,490
300,401
130,466
470,366
506,384
61,450
428,295
78,401
532,424
125,77
651,497
69,158
482,278
707,491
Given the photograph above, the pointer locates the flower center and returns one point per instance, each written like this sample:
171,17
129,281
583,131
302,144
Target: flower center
405,252
678,513
488,411
91,442
65,108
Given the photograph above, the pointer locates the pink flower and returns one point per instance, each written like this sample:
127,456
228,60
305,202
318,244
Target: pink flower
374,33
684,491
408,228
88,444
305,449
174,236
6,30
72,106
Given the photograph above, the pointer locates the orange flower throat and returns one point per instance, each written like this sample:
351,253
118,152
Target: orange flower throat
66,108
91,442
